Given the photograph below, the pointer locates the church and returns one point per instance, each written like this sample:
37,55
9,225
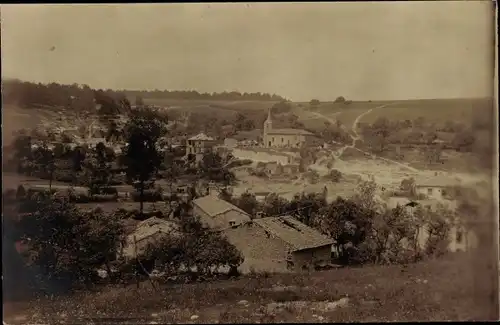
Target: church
283,138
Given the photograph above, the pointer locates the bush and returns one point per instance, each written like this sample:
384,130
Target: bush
109,190
334,176
200,248
103,198
65,176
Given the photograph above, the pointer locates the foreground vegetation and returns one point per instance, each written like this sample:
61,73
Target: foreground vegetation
458,287
64,246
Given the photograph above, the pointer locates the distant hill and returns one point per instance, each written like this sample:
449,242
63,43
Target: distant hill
82,97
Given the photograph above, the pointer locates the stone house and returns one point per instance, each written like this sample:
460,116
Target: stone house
279,244
218,214
198,145
435,187
149,231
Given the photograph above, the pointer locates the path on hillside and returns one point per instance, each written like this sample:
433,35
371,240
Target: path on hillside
337,154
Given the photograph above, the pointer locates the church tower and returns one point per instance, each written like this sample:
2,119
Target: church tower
268,125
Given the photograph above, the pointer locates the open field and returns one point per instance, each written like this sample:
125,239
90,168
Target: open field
222,104
437,110
456,287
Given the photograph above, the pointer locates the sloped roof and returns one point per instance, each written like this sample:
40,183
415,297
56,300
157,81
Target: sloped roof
201,137
289,131
152,226
214,206
294,232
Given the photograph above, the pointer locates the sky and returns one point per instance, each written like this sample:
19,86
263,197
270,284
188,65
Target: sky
362,51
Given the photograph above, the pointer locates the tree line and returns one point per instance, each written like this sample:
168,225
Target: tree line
82,97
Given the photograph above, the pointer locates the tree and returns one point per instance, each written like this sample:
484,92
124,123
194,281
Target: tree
408,187
198,247
67,245
23,156
225,195
248,203
213,167
281,107
44,160
306,208
340,99
348,224
141,155
334,175
314,102
380,133
97,166
464,141
365,195
275,205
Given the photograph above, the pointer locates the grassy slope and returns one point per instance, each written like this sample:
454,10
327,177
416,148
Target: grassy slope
456,287
15,118
437,110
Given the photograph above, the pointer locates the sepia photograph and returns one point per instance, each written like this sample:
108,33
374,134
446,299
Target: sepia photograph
240,162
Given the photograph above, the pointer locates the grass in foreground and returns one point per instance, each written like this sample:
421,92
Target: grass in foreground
451,288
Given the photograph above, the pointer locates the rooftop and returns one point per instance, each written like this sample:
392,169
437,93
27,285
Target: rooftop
294,232
152,226
201,137
214,206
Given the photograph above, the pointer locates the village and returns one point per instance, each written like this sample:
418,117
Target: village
249,163
264,166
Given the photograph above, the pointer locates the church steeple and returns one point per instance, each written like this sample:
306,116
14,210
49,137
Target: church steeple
268,124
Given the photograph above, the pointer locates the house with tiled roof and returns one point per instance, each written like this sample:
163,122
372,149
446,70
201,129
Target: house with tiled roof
218,214
435,187
149,231
280,244
198,145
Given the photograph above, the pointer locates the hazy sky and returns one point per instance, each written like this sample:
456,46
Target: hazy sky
361,51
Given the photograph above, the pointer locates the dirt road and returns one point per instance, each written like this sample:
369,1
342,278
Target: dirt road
338,154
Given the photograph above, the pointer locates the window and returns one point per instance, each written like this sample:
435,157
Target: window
429,191
459,236
282,139
288,142
273,139
232,223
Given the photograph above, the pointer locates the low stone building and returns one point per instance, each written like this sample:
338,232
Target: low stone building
218,214
279,244
435,187
147,232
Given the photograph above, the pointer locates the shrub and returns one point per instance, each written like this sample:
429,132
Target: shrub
200,248
103,198
109,190
334,176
